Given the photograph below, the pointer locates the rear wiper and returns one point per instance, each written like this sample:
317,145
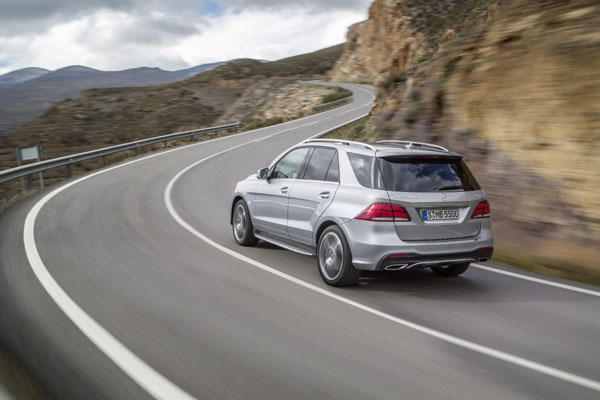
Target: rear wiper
453,187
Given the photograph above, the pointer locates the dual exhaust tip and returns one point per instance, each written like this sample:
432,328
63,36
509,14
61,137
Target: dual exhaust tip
399,267
396,267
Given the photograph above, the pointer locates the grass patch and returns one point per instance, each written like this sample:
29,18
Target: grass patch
414,113
424,57
392,81
260,123
337,95
359,131
548,266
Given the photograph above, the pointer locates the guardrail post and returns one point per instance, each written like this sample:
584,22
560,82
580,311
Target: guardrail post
104,161
191,138
30,181
166,141
69,173
137,150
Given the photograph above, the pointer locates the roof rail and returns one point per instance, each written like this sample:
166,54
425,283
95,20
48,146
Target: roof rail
409,145
346,142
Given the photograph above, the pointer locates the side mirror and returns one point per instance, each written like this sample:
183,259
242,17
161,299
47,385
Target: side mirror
262,173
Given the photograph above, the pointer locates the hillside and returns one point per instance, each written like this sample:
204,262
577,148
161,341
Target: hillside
515,87
107,116
26,94
19,76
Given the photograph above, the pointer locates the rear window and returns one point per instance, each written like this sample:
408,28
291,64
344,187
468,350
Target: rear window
402,174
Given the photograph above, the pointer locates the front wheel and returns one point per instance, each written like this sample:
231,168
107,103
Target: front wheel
334,258
242,225
451,270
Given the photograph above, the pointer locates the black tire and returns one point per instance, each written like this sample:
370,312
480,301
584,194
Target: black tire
335,263
452,270
243,232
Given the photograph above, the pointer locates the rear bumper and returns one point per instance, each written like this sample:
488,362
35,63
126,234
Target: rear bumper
403,261
371,245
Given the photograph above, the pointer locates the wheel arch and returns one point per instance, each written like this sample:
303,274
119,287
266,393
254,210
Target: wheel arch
324,225
236,198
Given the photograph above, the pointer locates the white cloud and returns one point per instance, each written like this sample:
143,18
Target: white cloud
111,40
267,35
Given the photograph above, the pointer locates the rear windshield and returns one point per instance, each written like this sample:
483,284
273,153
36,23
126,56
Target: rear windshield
402,174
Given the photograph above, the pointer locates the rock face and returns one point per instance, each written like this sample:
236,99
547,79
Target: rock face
515,87
398,33
381,45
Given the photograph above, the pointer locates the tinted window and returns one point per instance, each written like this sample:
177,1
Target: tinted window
333,175
365,170
319,163
412,174
290,164
426,175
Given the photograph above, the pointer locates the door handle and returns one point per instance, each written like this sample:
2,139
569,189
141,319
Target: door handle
324,195
284,190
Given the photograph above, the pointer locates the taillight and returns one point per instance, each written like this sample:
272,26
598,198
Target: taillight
384,212
483,210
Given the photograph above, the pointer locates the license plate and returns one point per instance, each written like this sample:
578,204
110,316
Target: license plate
439,214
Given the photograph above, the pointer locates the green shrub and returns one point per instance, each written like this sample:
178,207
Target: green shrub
424,58
337,95
393,80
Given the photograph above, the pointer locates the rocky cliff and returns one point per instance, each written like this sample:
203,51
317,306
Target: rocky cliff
515,86
399,33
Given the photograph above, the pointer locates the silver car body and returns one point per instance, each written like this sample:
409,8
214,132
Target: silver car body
292,212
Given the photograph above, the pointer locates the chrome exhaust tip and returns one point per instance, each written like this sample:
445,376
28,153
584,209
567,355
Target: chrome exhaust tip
396,267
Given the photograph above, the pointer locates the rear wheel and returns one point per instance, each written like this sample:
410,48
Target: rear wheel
242,225
451,270
334,258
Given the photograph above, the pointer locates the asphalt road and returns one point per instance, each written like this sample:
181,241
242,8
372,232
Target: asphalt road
139,291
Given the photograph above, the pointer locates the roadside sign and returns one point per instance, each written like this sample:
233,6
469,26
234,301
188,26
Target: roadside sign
30,153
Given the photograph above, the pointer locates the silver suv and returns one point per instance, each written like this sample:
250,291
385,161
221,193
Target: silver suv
394,205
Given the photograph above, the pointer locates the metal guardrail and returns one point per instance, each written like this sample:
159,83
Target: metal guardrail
30,169
333,103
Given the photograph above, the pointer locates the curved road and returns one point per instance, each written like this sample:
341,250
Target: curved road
126,283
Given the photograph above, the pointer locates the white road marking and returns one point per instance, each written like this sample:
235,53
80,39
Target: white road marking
154,383
148,378
538,280
510,358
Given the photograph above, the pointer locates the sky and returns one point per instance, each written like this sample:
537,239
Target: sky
169,34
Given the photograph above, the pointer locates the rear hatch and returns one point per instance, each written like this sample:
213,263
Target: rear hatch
439,194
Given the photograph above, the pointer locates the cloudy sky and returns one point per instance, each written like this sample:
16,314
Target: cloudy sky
170,34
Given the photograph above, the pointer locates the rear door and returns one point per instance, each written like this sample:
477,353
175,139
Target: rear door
310,196
270,210
439,193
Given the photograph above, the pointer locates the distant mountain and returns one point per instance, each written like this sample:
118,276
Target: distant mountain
21,75
27,93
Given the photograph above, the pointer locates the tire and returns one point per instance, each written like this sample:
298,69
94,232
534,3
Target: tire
451,270
243,232
334,258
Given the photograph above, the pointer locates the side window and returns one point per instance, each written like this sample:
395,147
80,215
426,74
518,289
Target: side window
366,171
333,175
290,164
319,163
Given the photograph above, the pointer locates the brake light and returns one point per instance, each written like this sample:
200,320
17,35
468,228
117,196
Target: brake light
384,212
483,210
